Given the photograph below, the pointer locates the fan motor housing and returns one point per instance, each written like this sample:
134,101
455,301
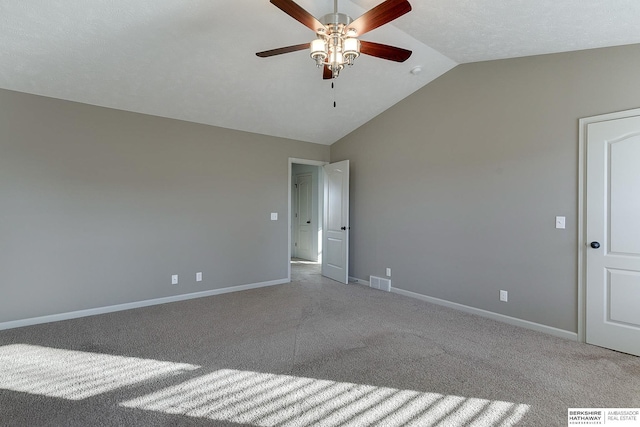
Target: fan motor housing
336,19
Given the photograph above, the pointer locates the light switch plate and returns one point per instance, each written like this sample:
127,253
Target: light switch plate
274,216
560,222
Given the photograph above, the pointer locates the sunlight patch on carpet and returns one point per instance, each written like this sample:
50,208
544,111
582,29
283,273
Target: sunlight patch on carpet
75,375
264,400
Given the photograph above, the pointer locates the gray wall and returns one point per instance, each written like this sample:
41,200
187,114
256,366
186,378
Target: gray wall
456,188
99,207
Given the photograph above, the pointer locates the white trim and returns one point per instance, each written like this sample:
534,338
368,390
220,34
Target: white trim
359,281
293,160
137,304
582,215
491,315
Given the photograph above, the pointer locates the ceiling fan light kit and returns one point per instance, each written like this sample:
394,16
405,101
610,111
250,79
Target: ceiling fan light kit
337,43
334,48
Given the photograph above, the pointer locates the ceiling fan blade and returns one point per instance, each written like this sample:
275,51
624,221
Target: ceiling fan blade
298,13
381,14
327,74
384,51
281,50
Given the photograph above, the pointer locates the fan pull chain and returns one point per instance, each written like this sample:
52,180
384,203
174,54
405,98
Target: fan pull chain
334,95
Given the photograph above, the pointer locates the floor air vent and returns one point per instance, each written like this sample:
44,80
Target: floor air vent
380,283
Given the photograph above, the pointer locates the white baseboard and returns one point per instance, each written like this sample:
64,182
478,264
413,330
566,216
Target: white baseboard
491,315
359,281
137,304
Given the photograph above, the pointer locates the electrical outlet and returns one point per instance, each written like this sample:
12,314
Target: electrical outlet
174,279
199,277
388,272
504,296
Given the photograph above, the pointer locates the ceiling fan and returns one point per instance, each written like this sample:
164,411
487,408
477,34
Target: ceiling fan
337,42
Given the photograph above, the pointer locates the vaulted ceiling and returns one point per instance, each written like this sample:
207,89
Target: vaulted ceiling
195,60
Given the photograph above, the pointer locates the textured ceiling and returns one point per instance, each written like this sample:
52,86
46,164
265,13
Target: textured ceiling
195,60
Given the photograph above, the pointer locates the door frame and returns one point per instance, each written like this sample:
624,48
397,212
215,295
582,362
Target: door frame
582,212
293,160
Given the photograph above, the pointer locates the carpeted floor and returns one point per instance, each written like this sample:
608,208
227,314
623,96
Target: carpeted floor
312,352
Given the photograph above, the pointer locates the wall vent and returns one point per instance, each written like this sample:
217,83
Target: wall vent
380,283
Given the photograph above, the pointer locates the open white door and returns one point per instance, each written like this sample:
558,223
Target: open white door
335,259
613,234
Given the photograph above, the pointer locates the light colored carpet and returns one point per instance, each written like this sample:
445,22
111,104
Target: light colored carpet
313,352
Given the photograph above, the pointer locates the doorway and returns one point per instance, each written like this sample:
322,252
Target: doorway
305,170
321,224
306,212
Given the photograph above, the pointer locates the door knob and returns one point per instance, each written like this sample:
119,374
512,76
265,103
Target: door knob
343,228
595,245
308,222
